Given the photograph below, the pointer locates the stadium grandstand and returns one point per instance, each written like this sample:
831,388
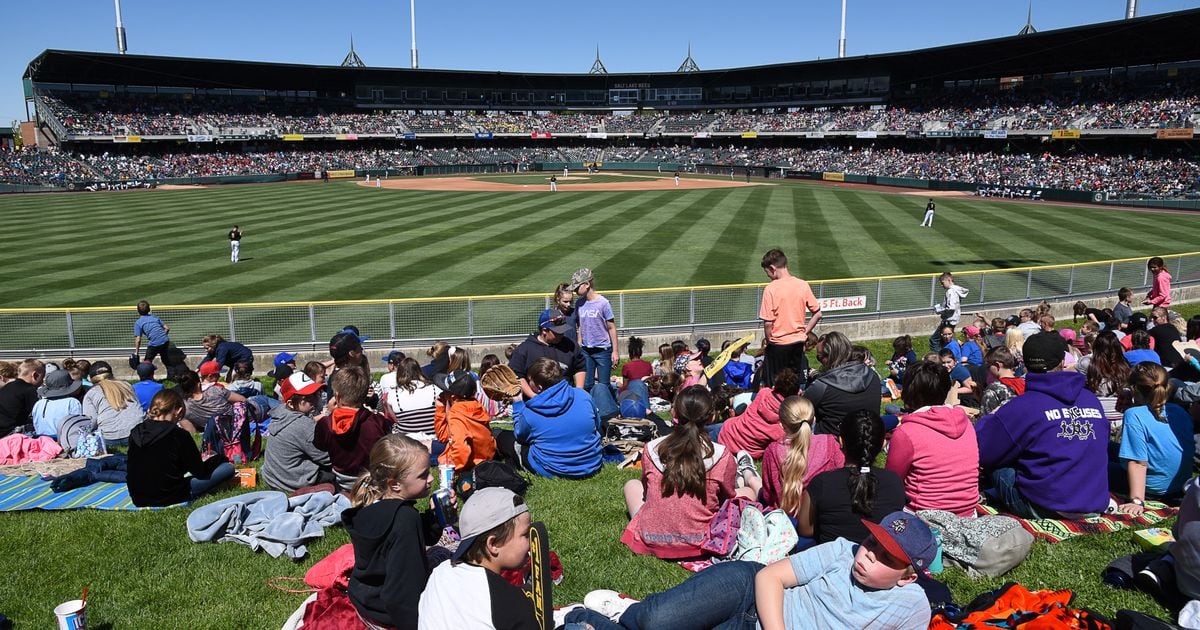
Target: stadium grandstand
1107,109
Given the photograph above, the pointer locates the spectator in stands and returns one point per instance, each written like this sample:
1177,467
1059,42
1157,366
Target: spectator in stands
1045,451
557,432
18,396
146,387
786,303
550,341
843,386
112,404
934,449
227,354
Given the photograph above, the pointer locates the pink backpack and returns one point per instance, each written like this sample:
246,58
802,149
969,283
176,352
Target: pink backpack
722,536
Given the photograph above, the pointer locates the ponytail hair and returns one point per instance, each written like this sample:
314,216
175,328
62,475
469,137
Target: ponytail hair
796,416
1150,386
683,451
391,457
862,440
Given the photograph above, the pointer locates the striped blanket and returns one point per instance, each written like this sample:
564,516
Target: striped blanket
1058,530
34,493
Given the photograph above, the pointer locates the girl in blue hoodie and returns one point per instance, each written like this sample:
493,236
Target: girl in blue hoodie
557,432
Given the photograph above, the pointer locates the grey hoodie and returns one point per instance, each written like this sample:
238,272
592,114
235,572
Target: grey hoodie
291,461
951,307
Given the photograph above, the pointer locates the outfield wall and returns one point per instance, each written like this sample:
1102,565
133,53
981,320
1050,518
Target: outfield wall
498,319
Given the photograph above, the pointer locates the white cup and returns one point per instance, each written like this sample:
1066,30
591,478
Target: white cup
71,615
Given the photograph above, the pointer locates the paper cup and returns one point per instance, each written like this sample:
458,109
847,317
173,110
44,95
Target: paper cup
247,477
71,615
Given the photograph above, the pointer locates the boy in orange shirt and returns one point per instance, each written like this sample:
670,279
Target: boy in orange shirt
461,422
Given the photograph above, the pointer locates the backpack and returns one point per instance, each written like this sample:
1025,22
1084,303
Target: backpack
722,537
621,429
493,474
764,538
79,436
230,435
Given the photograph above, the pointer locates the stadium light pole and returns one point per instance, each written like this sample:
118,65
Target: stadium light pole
842,38
120,29
1130,9
412,15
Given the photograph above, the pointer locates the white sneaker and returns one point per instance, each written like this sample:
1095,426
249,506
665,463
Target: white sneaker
611,604
560,614
745,463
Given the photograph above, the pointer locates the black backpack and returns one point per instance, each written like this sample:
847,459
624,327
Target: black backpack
493,474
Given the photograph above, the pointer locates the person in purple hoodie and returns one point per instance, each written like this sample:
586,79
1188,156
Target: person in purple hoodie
1046,451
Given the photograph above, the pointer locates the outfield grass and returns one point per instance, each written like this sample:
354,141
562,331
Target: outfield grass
314,241
142,571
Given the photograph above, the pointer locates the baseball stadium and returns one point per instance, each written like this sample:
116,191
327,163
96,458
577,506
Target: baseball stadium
422,214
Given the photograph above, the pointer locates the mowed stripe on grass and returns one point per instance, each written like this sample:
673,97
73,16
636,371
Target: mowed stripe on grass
342,241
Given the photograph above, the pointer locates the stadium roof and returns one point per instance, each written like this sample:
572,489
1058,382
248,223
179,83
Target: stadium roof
1154,39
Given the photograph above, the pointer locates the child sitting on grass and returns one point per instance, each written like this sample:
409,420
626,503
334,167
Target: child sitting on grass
349,433
160,453
461,423
791,462
685,479
759,425
469,592
389,533
291,461
1157,444
835,585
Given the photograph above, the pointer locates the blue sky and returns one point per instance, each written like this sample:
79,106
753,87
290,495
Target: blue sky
528,35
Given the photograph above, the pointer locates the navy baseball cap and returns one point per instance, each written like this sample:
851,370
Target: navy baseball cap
907,537
553,323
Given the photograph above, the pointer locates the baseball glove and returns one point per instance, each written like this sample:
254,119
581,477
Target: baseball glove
500,383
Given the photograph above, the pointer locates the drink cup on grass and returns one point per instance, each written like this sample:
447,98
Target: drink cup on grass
71,615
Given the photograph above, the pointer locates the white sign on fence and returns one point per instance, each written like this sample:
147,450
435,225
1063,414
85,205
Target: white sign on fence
847,303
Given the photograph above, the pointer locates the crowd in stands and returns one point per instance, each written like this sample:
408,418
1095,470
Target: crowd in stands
1116,173
1056,417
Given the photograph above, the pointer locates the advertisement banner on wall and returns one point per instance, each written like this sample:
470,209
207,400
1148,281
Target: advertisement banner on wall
701,134
122,139
597,135
200,138
292,137
346,136
749,134
487,135
833,177
995,134
407,136
1065,134
847,303
540,135
814,134
1175,134
341,174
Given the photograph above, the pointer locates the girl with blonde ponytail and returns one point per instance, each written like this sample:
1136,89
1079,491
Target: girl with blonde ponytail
389,534
790,462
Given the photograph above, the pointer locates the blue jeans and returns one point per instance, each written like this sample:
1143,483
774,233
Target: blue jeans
1004,489
602,398
714,431
721,596
223,473
597,366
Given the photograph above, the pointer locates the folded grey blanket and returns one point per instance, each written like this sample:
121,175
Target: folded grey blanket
267,520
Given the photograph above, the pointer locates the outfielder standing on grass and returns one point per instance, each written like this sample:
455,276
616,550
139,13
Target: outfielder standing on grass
235,244
929,208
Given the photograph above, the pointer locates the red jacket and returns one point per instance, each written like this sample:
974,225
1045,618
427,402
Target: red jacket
348,438
757,427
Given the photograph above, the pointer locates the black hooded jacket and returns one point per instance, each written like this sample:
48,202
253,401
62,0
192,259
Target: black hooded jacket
841,391
159,455
390,571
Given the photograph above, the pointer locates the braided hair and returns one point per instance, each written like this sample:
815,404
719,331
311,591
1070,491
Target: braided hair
862,440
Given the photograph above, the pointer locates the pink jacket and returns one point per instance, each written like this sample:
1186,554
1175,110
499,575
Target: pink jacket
935,452
824,453
674,527
1160,290
20,449
757,427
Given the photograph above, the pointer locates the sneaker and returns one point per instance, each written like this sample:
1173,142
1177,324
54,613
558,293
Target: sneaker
745,463
611,604
560,614
1157,579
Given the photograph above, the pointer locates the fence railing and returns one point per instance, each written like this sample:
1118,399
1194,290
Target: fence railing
414,321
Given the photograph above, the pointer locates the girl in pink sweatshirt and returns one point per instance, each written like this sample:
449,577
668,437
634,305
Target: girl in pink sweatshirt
791,462
685,479
934,449
759,425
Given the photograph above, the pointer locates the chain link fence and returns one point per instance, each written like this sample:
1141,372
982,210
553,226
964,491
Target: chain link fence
96,330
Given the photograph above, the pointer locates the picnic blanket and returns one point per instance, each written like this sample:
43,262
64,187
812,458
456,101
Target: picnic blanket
268,520
1058,530
35,493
